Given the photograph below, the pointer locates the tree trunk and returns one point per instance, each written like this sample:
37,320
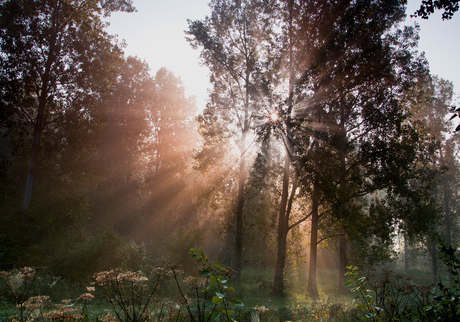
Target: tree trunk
33,157
312,287
239,217
406,253
434,260
283,227
343,262
40,121
241,180
39,126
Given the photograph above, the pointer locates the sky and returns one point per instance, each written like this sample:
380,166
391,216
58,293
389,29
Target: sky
155,33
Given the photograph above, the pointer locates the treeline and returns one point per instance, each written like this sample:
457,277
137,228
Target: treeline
95,151
323,126
340,129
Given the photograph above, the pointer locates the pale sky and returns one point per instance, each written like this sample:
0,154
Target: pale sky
156,34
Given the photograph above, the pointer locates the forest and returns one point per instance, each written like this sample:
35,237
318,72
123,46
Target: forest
319,182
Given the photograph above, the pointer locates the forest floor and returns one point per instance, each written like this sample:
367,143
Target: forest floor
254,291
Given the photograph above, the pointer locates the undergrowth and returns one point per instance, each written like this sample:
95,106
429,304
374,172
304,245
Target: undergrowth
166,294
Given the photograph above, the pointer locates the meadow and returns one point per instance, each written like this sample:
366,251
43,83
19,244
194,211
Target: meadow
167,293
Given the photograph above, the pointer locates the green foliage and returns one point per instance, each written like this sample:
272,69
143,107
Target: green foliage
446,306
26,287
177,245
218,278
100,252
356,284
395,298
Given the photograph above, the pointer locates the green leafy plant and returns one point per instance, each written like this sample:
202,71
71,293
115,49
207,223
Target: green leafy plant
218,278
357,285
446,306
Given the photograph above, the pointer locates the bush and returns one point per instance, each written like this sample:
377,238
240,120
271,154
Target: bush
96,253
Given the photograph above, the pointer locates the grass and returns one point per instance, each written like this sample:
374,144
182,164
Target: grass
255,292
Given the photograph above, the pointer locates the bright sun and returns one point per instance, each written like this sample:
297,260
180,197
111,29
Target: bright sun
274,116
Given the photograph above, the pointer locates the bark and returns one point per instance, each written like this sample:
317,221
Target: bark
434,260
312,287
40,120
241,182
447,217
283,228
406,253
343,262
239,217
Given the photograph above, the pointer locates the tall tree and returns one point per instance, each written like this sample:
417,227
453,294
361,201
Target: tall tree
232,40
124,147
348,111
54,51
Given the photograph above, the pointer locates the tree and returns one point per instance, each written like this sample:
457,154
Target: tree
232,40
429,6
349,113
123,147
171,116
432,108
172,200
56,53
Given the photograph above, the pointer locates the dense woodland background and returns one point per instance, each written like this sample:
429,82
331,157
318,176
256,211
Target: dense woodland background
325,142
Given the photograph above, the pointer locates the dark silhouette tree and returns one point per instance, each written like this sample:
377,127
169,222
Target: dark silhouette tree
55,52
429,6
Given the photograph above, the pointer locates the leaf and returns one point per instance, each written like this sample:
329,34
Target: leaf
236,302
355,289
205,272
361,306
452,117
230,289
348,283
220,295
215,315
217,300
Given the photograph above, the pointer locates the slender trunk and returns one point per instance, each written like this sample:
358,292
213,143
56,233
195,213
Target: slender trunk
312,287
434,260
343,262
283,227
239,217
241,180
284,210
34,155
447,217
406,253
448,224
39,123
